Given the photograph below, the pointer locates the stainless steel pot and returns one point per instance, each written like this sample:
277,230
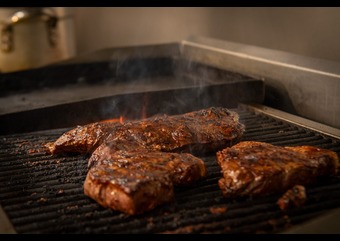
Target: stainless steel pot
34,37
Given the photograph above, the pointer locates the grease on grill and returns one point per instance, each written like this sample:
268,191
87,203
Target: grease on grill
218,210
71,208
29,147
60,192
280,222
42,200
199,228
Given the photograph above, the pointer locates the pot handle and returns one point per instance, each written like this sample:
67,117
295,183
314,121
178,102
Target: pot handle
46,14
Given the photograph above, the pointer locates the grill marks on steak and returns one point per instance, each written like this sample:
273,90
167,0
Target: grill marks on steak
131,192
82,139
135,182
200,131
182,168
256,168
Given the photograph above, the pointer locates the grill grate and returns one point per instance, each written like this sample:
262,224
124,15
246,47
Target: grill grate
44,194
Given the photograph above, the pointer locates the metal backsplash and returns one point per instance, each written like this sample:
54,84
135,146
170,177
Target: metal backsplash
296,84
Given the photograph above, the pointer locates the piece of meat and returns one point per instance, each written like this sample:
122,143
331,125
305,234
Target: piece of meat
200,131
203,130
294,197
131,192
255,168
135,182
82,139
183,168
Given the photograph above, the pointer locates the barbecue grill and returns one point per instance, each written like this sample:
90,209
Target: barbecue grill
40,193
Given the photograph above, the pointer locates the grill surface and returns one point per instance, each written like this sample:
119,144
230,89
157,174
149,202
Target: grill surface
44,194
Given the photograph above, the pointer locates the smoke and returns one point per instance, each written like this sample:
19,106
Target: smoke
157,79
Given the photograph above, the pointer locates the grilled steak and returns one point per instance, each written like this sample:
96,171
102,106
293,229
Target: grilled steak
134,182
256,168
205,130
137,163
196,132
131,192
183,168
82,139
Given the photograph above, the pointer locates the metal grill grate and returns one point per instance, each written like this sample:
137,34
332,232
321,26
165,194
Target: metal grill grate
44,194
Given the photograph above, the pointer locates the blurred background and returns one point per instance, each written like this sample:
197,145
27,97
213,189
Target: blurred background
309,31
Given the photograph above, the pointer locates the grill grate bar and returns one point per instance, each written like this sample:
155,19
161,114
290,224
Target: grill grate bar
37,193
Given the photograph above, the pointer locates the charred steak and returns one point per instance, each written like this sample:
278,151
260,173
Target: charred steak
134,182
82,139
254,168
131,192
203,130
200,131
183,168
136,164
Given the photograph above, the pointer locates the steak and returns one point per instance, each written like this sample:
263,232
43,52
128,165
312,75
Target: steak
200,131
183,168
204,130
131,192
82,139
255,168
135,182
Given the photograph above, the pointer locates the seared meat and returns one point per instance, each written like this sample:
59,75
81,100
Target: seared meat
256,168
133,170
131,192
205,130
182,168
294,197
82,139
134,182
196,132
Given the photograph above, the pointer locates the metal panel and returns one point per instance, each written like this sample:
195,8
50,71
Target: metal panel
295,84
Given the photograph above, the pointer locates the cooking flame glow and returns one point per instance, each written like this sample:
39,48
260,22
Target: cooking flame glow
121,120
142,115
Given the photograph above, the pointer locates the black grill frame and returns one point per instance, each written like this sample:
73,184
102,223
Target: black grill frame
44,194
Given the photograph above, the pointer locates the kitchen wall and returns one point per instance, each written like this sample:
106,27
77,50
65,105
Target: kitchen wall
306,31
